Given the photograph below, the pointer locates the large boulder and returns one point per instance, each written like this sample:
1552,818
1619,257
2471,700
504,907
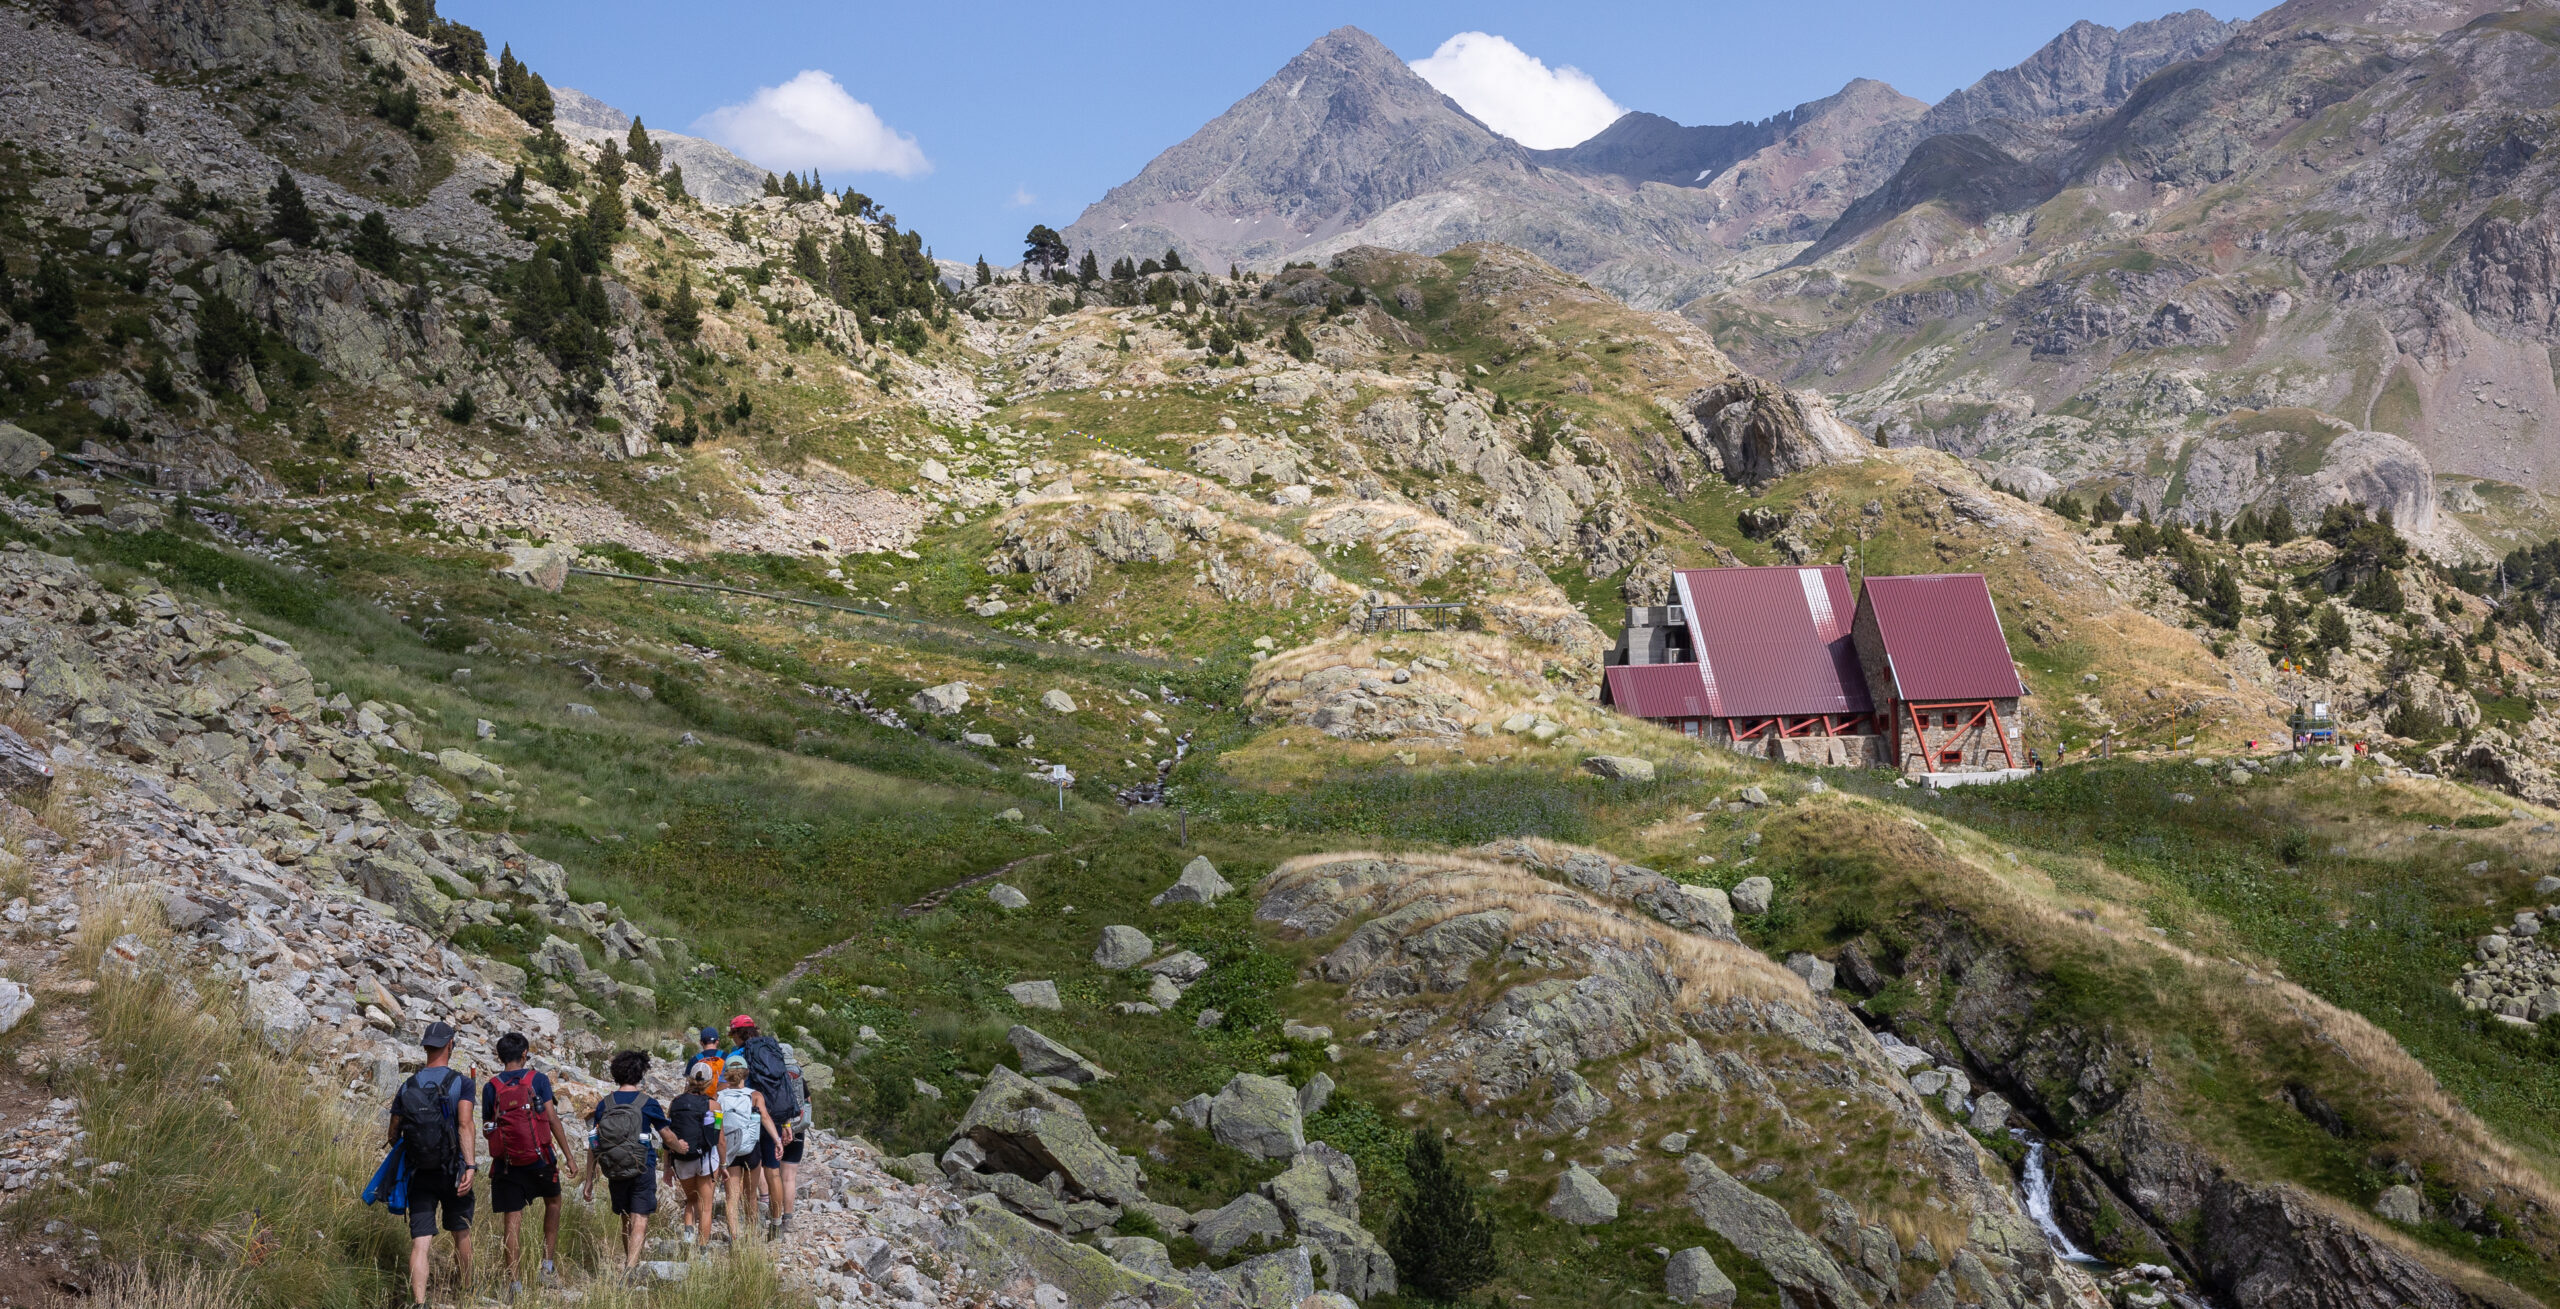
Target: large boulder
1581,1199
1239,1222
1576,1103
433,802
275,1014
1282,1279
1692,1278
1044,1057
1759,1227
1751,895
996,1242
24,767
471,767
1122,948
941,701
1619,767
1257,1115
1199,884
1027,1130
1353,1261
21,450
1754,432
542,567
1320,1178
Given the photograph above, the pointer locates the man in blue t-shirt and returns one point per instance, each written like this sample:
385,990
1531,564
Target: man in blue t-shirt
443,1187
526,1141
634,1197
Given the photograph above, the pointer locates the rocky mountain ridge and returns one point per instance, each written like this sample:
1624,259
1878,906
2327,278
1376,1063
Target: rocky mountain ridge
1651,210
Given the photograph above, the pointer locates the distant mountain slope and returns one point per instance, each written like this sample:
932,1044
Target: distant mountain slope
711,171
1346,146
2346,209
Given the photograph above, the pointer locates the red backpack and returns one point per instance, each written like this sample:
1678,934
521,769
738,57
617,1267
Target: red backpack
518,1136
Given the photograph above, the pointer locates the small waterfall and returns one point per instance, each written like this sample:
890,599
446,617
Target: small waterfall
2037,1184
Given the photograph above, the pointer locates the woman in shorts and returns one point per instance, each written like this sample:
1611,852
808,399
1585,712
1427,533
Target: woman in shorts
696,1121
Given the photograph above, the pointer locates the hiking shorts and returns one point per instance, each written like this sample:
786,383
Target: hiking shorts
765,1154
514,1186
700,1166
635,1195
791,1152
430,1193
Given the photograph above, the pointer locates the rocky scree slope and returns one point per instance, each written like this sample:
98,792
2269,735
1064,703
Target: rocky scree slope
208,786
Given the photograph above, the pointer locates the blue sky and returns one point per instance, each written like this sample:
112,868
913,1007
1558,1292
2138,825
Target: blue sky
1004,115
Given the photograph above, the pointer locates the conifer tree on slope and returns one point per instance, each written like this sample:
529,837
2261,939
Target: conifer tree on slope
1443,1247
289,216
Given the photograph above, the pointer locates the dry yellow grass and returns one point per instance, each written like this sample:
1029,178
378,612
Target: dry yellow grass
2019,902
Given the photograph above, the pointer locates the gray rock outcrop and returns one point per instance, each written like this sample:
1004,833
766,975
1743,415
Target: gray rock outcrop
1043,1057
1257,1115
1581,1199
1239,1222
1122,948
1692,1278
1199,884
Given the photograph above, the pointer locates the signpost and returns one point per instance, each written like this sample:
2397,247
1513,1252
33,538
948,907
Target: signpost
1059,775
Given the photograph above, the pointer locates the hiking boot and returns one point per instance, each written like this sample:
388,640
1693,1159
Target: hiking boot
514,1291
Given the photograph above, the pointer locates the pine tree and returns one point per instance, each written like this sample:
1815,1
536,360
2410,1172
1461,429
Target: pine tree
54,309
1044,248
1089,271
1122,270
985,274
1172,260
226,336
2380,594
642,149
772,184
2222,597
673,183
609,163
522,89
2279,525
375,247
684,317
417,17
289,216
1442,1247
1294,340
2457,669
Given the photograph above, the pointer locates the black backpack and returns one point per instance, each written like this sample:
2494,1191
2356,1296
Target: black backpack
690,1115
427,1136
769,1072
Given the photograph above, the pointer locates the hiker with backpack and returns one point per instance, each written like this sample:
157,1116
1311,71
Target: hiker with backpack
523,1125
710,1056
431,1126
770,1076
799,1142
696,1169
622,1144
746,1128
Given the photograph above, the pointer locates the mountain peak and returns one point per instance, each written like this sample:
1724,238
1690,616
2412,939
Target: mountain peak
1343,130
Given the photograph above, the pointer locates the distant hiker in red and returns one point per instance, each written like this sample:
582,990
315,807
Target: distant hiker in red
526,1141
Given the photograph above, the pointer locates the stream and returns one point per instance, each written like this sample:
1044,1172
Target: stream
2037,1186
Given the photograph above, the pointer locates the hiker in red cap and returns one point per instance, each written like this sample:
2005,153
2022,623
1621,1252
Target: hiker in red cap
769,1075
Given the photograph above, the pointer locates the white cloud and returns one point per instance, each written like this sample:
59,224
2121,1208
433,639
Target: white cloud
1021,198
812,122
1516,94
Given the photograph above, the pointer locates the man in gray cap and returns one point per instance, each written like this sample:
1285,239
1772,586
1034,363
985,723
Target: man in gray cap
431,1124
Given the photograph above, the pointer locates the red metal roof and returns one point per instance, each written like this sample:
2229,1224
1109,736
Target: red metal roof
1773,640
1942,637
1658,691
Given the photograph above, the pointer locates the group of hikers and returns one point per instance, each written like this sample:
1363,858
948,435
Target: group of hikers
738,1127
